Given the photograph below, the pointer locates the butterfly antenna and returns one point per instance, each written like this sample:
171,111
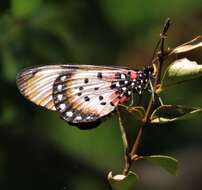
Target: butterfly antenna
132,99
160,100
159,45
152,90
154,94
162,35
155,50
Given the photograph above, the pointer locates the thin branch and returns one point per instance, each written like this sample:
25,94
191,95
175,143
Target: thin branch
162,53
145,122
125,144
146,119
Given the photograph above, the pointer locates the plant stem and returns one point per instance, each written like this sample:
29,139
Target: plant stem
146,120
162,53
125,144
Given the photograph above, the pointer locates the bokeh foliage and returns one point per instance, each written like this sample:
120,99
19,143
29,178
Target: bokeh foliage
40,151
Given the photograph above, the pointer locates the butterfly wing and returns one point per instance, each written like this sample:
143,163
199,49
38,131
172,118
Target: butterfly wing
36,84
81,94
84,95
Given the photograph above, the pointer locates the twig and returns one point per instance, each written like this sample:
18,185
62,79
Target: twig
146,119
161,53
125,144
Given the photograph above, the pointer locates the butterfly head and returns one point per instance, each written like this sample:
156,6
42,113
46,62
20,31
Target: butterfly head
141,79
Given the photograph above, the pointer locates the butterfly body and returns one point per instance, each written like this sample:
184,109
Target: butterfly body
82,93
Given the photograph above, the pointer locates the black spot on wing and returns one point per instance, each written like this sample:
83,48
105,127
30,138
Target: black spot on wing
117,75
111,103
103,103
113,85
86,98
99,75
101,97
86,80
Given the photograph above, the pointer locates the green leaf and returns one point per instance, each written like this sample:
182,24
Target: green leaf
180,71
9,65
189,46
122,182
170,113
168,163
23,8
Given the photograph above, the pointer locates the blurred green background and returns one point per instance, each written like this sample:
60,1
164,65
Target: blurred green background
40,151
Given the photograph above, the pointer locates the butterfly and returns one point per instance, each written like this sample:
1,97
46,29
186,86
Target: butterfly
82,94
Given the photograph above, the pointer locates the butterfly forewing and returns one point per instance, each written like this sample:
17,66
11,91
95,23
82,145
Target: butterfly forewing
36,84
79,93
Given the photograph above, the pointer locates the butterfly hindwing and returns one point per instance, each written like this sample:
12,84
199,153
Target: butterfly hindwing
85,95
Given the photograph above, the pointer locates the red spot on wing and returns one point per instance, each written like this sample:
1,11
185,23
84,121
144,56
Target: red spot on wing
115,101
133,75
123,99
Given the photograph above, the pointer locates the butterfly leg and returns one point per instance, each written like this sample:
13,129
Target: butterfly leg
152,91
131,99
160,100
